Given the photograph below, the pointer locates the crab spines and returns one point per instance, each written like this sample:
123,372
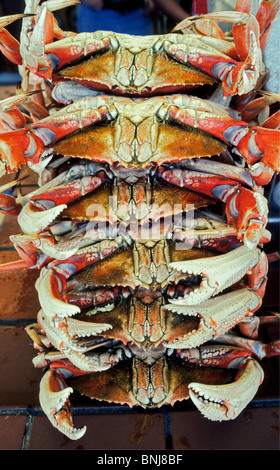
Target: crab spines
33,221
51,286
217,272
225,402
217,316
54,400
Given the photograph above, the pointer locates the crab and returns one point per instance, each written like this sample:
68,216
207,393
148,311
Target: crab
136,65
149,220
138,134
112,322
146,377
133,64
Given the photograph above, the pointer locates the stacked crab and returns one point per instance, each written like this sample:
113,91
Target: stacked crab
149,220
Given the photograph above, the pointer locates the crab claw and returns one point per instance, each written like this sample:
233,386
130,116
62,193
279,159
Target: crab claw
34,54
44,242
247,211
54,399
218,273
82,354
218,315
50,286
261,144
225,402
52,283
243,77
35,34
32,221
63,332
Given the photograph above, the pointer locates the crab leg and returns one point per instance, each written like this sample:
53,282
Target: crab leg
8,203
224,402
67,193
54,392
10,116
241,175
236,77
256,111
51,285
38,250
254,143
217,316
246,210
28,144
243,25
39,30
54,400
75,172
255,347
46,243
218,273
35,103
9,46
97,297
63,334
43,209
265,15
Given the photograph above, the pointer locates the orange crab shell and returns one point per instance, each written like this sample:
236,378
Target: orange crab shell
173,144
94,73
116,385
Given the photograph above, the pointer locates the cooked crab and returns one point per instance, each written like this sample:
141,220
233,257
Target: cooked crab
149,220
